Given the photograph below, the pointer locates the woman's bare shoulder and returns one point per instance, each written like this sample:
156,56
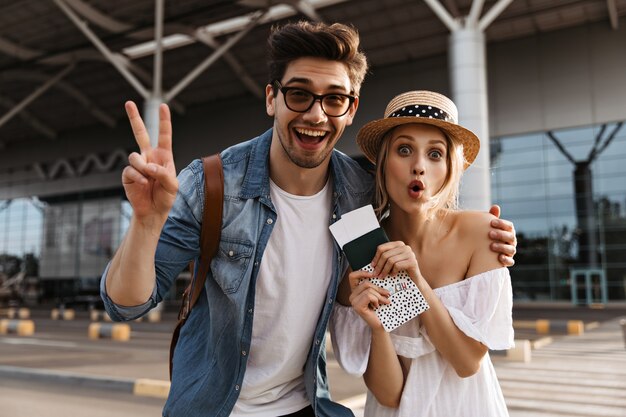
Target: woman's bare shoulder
474,228
473,221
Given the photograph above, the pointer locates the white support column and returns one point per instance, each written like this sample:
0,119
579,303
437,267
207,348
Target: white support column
151,118
468,80
152,103
468,69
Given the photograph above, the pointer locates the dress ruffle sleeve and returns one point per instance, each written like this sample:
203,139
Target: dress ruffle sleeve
481,307
350,336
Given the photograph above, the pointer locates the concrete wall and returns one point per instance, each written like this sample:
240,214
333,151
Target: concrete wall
554,80
561,79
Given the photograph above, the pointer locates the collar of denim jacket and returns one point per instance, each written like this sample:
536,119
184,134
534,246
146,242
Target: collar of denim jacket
346,174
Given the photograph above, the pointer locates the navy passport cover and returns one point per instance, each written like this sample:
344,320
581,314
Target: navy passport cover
361,250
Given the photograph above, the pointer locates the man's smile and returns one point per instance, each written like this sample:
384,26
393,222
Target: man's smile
310,138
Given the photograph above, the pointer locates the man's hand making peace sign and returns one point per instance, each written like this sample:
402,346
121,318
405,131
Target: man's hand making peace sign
150,180
151,185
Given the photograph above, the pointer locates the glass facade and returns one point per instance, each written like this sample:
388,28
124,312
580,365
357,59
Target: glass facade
564,190
60,245
566,193
21,227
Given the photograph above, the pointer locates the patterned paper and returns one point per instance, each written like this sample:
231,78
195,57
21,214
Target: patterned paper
406,299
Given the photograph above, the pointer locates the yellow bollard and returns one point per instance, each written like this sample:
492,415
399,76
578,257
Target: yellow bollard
21,313
543,326
62,314
576,327
116,331
154,316
19,327
94,315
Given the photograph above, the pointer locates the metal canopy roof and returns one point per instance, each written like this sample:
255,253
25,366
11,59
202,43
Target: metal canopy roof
49,67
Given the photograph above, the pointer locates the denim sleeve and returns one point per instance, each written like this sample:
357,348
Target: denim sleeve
123,313
178,244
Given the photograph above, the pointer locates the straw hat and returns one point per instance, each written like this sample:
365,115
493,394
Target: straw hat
424,107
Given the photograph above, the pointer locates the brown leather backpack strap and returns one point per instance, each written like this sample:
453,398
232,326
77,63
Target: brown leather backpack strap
211,219
211,228
209,240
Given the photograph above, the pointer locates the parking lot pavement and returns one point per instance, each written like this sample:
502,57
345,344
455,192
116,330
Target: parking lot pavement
573,375
564,372
61,352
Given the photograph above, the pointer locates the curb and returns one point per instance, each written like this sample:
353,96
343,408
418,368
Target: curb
144,387
572,327
141,387
541,342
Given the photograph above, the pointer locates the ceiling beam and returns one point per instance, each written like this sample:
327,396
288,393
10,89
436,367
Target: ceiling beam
35,94
64,58
203,36
73,8
12,49
493,13
67,88
451,23
89,34
613,16
213,57
475,11
233,62
452,8
116,26
146,77
93,55
98,18
306,8
25,115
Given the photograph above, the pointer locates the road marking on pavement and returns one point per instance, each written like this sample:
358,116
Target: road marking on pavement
575,375
36,342
151,388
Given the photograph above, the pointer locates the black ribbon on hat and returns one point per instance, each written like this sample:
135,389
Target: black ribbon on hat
422,110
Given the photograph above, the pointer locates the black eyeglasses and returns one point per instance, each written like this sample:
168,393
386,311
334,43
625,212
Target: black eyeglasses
301,101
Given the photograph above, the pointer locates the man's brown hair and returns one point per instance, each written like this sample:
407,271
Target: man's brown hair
335,42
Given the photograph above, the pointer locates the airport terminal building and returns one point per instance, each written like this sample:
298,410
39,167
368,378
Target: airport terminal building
542,83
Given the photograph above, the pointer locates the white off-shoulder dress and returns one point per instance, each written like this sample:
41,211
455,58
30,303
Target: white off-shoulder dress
481,307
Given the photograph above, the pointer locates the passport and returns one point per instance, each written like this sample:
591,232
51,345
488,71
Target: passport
359,234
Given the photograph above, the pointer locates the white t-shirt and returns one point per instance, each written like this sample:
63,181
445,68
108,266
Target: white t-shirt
290,293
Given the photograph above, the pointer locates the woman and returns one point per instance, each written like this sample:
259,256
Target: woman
437,364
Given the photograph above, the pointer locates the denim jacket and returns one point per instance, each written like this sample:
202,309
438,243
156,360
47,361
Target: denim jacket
211,355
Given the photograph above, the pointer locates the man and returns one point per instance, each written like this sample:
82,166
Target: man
254,343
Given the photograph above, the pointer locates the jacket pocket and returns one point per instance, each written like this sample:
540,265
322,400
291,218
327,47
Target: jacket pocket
230,263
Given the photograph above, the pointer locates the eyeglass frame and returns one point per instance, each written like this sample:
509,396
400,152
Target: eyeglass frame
316,97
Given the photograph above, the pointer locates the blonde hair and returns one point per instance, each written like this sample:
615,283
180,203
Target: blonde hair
448,195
